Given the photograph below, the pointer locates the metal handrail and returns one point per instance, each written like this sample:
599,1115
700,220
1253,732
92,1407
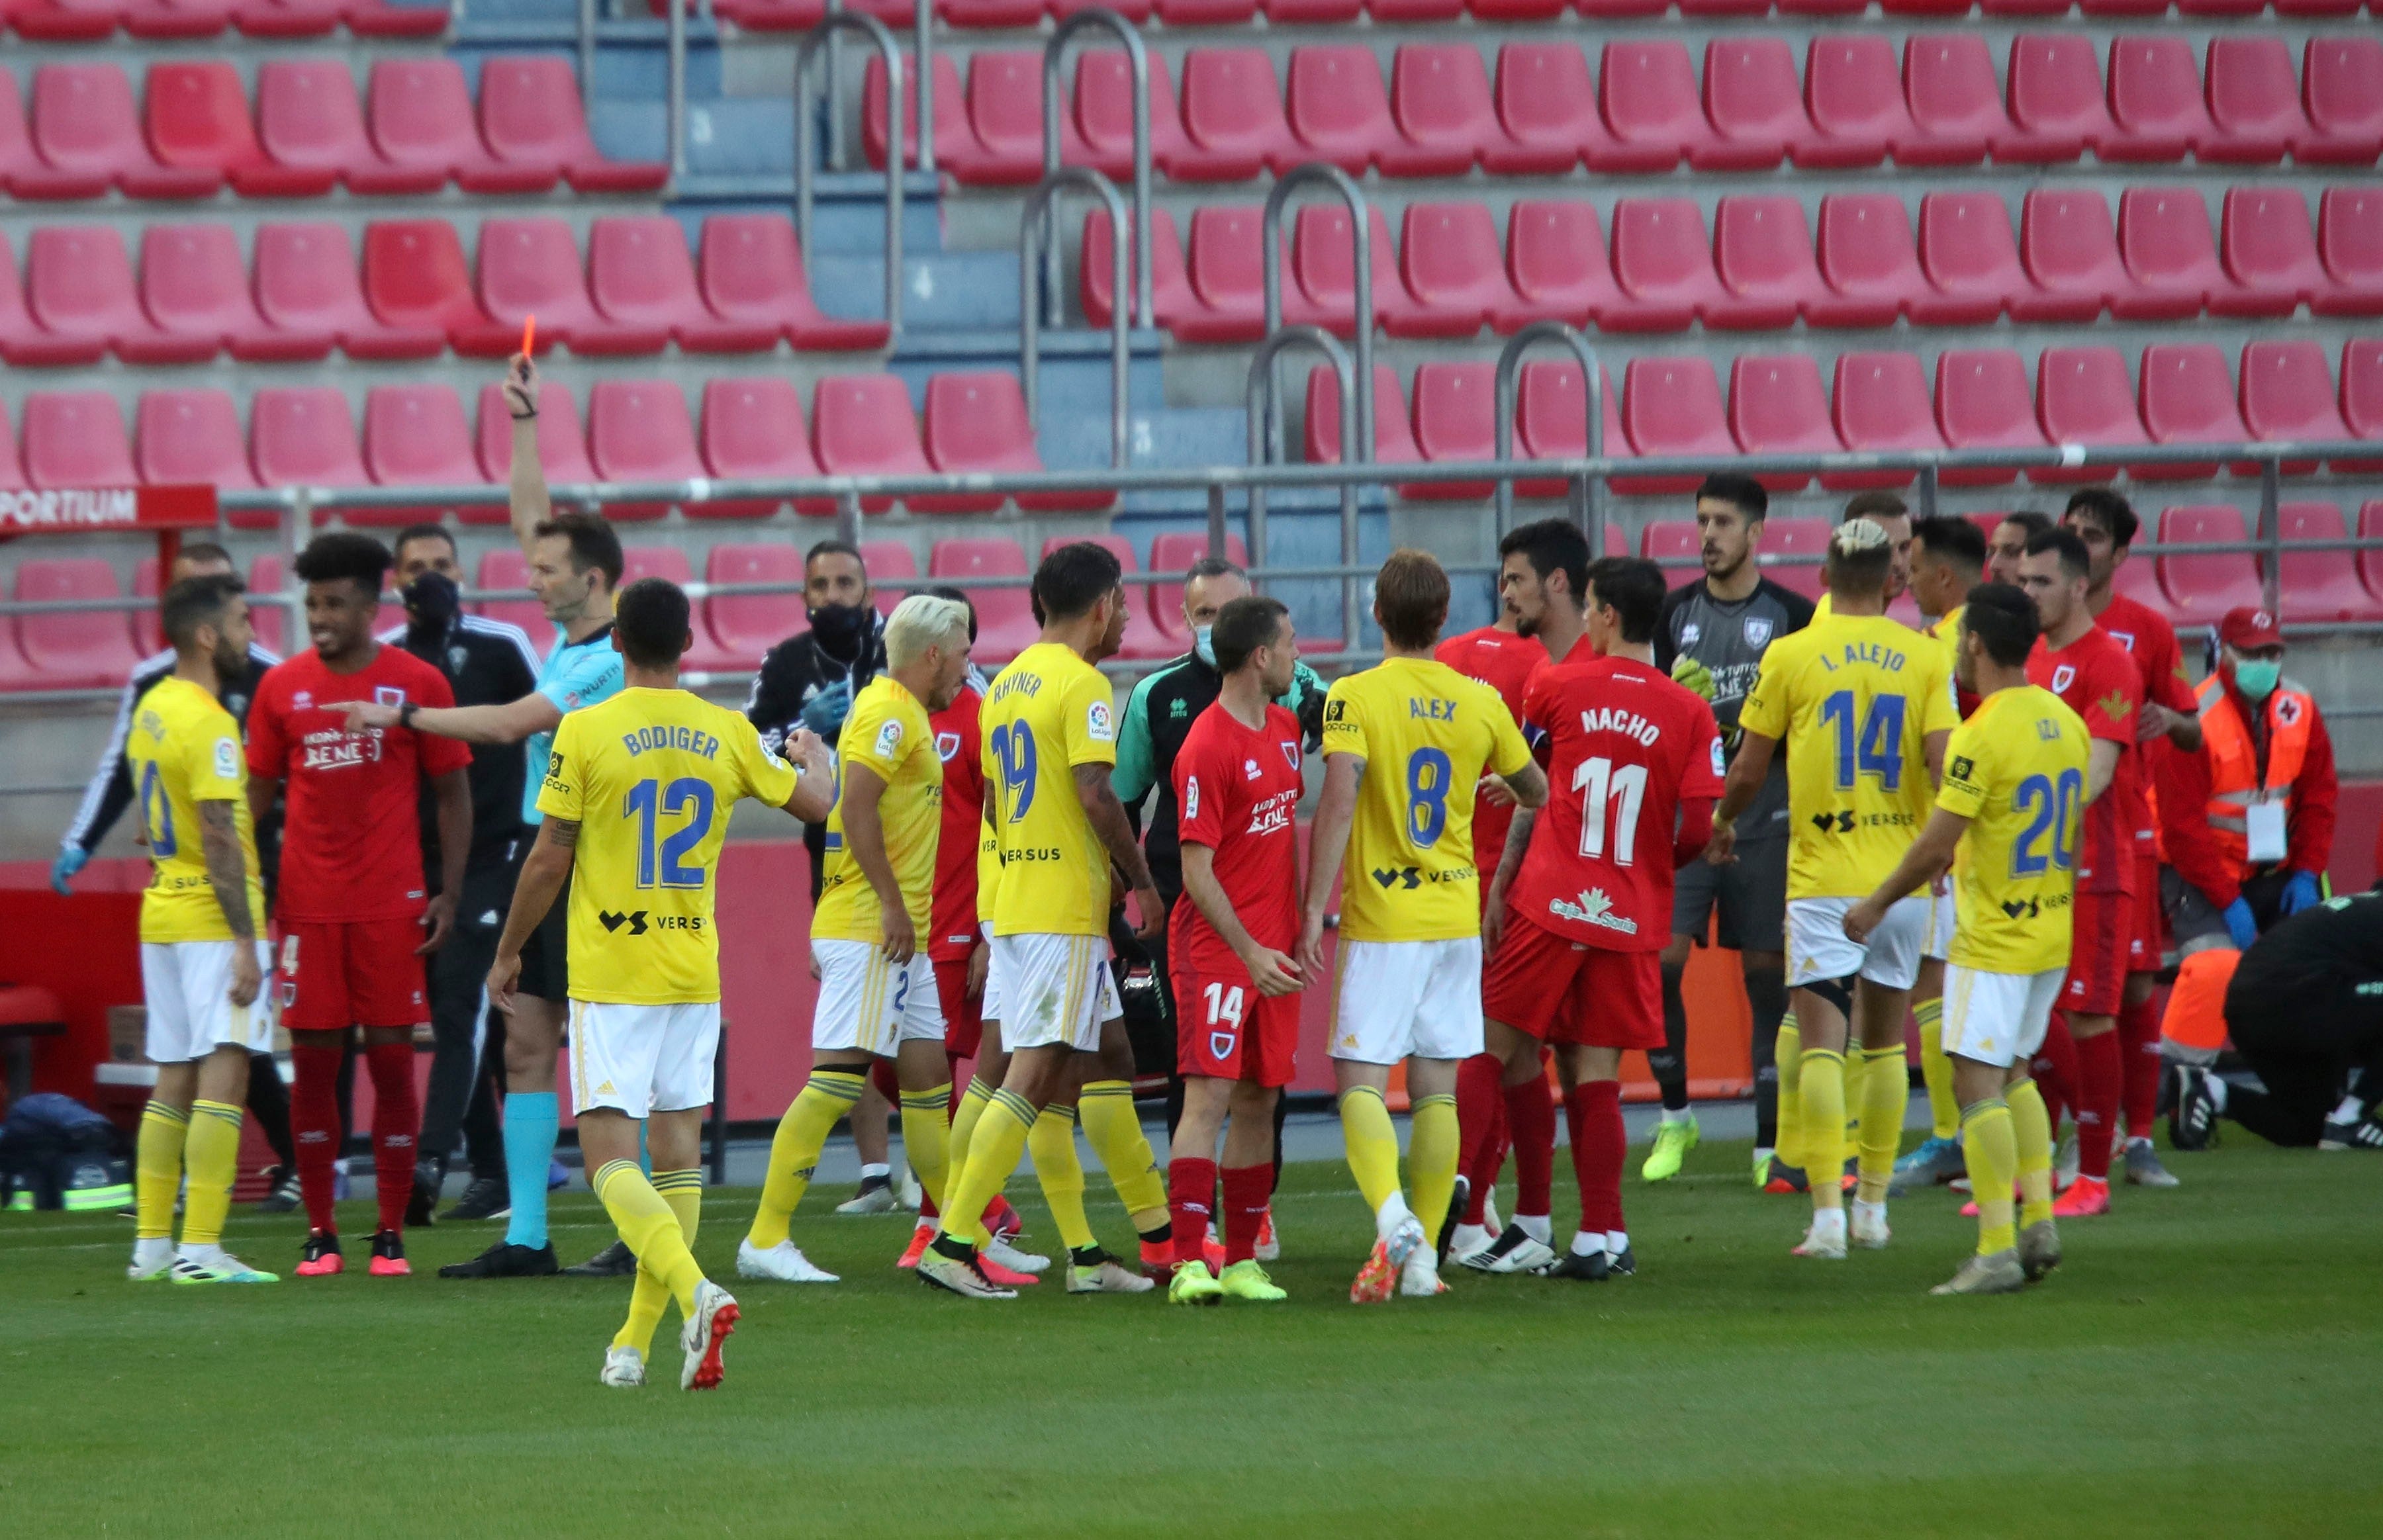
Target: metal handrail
674,95
837,23
1263,402
1138,62
1589,514
1360,241
1033,224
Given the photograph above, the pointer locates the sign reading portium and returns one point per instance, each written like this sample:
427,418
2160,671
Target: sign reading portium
76,509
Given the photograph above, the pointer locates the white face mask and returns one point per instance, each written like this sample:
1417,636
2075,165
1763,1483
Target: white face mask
1203,644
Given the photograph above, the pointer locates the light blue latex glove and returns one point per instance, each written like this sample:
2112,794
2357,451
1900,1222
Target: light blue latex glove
2301,893
2240,925
826,711
71,861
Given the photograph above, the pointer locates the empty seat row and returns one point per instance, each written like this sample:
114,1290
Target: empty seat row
414,295
636,431
416,132
1852,104
1762,267
1877,402
88,20
797,15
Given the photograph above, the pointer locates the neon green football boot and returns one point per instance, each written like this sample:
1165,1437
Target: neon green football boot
1194,1285
1673,1142
1247,1280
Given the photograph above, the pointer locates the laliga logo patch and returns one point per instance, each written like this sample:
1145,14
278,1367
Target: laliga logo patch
1758,630
1096,722
2063,676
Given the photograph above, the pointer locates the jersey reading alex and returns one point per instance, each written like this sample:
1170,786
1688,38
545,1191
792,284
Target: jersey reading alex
1046,713
650,776
888,733
1853,698
2016,769
182,749
1426,734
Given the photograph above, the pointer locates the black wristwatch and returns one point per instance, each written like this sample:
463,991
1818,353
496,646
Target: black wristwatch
405,714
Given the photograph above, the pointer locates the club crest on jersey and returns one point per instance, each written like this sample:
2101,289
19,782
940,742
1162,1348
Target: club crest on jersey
1220,1045
2124,638
456,657
389,695
1758,630
946,745
1594,908
1290,752
2063,676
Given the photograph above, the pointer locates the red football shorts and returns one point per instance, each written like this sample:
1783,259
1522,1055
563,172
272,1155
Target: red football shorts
2097,954
963,1017
335,974
2149,941
1227,1030
1563,990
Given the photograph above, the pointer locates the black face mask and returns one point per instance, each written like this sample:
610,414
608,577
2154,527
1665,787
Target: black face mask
432,602
839,628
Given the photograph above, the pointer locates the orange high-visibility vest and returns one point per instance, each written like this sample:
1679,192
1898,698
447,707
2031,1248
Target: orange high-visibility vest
2234,783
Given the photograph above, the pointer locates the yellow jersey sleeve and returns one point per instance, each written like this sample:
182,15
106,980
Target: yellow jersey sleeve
1940,709
766,776
1088,717
1969,773
1766,709
561,795
888,735
2016,770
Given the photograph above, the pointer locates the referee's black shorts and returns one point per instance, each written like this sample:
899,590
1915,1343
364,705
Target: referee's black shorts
546,961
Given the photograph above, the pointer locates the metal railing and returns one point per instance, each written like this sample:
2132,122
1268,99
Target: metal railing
1510,368
1319,174
1036,226
675,89
1262,400
889,53
1137,64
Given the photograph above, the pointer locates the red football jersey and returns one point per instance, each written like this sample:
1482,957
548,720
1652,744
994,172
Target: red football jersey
956,744
2098,680
1628,748
2151,641
1504,662
1239,790
352,845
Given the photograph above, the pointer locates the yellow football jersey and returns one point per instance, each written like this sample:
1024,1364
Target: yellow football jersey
650,777
1853,697
1046,713
1426,734
887,731
2016,769
184,750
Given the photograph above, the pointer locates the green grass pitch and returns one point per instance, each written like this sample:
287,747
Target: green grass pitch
2205,1365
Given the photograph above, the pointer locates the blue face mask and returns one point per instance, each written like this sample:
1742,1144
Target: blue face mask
2257,677
1203,644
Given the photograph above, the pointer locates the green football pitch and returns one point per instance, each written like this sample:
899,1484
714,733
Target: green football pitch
2206,1363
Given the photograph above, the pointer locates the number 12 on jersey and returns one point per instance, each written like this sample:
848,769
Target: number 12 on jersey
661,860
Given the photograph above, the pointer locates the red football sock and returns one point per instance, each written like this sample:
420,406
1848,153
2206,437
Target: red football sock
1480,1127
2100,1073
1248,1191
2055,1070
2139,1045
315,1121
1598,1146
1190,1203
999,1216
1531,1115
395,1117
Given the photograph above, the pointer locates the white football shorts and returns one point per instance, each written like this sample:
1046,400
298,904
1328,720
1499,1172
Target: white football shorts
642,1059
1047,990
1396,1000
868,1003
187,986
1816,948
1998,1018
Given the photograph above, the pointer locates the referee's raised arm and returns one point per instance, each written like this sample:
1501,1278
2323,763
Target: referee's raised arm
527,487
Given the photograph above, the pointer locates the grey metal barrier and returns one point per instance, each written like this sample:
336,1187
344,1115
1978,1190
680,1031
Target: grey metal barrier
1034,228
1138,62
890,53
1586,511
1318,174
1263,402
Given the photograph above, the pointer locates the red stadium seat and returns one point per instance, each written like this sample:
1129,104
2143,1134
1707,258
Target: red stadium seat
1104,116
1672,543
195,286
2083,398
1662,263
639,430
531,267
193,436
1234,123
23,341
2350,238
753,430
1983,402
1762,254
955,141
1455,418
420,115
1313,12
978,422
2057,107
1440,109
17,153
1547,110
310,122
304,437
2070,248
2155,100
750,269
1174,551
1954,98
1776,406
1393,435
1336,108
2201,589
79,285
504,569
1170,285
1454,271
1867,261
2341,90
2362,396
2270,252
1970,261
2288,394
2320,586
1223,264
1005,617
414,435
1879,401
747,625
2163,239
530,117
266,579
1005,106
561,445
65,20
889,563
1323,269
1672,406
306,287
643,283
669,564
415,280
2255,101
1144,640
148,635
1856,103
368,18
861,425
2187,398
1754,99
2370,562
287,19
75,439
1551,417
89,136
81,649
1648,91
198,117
1556,265
1784,539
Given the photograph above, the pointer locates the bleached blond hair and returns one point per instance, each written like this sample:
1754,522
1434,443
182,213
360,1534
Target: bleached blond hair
920,622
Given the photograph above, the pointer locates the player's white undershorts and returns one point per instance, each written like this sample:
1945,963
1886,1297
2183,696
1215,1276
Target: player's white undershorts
1050,991
1391,1000
868,1003
642,1059
1939,943
1998,1018
187,986
1816,948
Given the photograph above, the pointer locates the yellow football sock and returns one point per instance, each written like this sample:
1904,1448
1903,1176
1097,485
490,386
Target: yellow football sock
2031,1129
926,1138
683,1191
157,1170
1432,1159
992,1156
212,1155
1944,1111
1789,1057
795,1149
1885,1092
1106,1109
1990,1148
651,1228
1061,1172
1373,1145
1824,1099
974,1102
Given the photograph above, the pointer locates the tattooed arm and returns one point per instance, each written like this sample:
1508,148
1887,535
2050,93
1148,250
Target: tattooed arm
227,875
